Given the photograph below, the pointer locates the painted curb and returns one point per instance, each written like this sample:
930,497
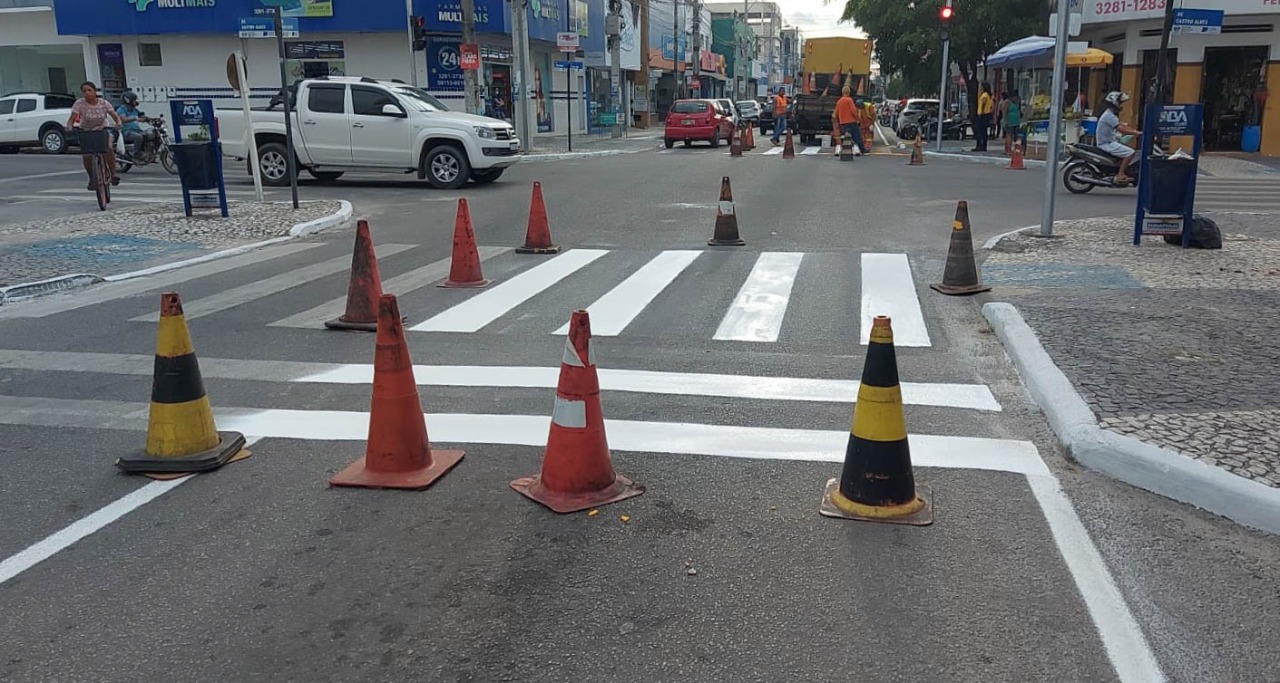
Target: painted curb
63,283
1134,462
991,243
993,161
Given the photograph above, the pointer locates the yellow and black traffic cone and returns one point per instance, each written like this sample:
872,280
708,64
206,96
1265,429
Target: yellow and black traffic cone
961,273
181,435
877,483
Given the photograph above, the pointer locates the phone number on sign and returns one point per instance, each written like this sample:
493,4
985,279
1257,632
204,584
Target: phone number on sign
1123,6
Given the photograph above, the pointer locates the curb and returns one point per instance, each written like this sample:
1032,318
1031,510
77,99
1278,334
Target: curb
1134,462
62,283
991,243
996,161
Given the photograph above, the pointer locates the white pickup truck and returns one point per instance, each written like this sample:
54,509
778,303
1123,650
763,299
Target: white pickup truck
361,124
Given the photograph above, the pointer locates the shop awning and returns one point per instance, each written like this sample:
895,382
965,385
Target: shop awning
1032,52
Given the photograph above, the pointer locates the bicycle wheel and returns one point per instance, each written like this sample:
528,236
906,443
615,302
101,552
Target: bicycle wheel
99,183
107,173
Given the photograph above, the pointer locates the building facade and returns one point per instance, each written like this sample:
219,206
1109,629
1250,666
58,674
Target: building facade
33,56
1229,72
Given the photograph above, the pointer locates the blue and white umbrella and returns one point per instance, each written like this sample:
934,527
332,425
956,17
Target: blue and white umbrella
1031,52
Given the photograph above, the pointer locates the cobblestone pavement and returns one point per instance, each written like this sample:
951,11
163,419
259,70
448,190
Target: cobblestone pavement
1175,347
119,240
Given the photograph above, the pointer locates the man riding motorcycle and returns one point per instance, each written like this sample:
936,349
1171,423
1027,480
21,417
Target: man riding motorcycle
129,117
1108,125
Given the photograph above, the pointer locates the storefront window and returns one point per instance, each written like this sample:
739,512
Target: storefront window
313,59
41,68
1232,78
599,102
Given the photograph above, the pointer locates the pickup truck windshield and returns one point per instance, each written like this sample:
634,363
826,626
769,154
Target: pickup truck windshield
419,99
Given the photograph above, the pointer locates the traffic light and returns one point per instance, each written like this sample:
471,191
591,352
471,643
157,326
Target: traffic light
419,26
945,15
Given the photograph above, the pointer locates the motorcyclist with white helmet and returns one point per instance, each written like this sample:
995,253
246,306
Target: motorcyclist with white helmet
129,117
1108,125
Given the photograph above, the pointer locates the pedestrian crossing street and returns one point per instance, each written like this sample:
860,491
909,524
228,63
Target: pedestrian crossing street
1261,194
718,296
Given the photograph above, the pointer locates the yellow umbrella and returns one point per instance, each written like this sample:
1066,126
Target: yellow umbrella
1093,58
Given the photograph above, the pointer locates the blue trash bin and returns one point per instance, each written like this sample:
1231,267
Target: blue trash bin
1169,178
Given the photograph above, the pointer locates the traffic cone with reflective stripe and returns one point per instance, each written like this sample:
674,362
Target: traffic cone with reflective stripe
788,150
917,153
577,470
181,434
537,239
364,289
735,143
1015,164
398,454
877,483
751,137
726,234
961,273
464,267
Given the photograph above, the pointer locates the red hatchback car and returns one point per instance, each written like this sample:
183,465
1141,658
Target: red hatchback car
691,120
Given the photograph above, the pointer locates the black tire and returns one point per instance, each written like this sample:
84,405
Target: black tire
99,184
325,176
122,166
715,139
166,160
688,143
486,176
669,143
1068,172
273,162
446,167
53,140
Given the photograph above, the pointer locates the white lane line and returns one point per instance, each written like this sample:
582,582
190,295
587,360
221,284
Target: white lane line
398,285
810,151
802,389
491,304
774,150
59,303
230,298
757,312
41,175
60,540
888,289
1125,644
611,313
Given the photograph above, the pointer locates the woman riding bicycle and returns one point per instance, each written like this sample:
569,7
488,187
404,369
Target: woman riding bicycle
90,113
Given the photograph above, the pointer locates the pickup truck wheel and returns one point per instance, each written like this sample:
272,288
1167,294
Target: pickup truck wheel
446,167
325,176
487,176
273,162
53,140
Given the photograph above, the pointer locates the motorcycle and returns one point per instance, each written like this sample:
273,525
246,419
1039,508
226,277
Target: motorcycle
155,147
1089,166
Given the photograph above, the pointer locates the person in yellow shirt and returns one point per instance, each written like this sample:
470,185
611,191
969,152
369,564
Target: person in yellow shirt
982,121
849,118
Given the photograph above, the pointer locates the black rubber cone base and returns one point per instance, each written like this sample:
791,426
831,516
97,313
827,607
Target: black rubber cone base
340,324
958,290
229,444
553,249
921,517
727,243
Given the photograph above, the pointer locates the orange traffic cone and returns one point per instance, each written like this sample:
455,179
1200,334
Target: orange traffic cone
735,144
1015,164
577,471
726,234
537,239
751,137
464,268
788,150
917,153
364,289
398,454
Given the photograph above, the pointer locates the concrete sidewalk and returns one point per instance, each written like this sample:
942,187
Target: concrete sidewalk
1174,348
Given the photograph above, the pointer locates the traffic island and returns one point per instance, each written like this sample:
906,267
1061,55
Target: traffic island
49,256
1153,364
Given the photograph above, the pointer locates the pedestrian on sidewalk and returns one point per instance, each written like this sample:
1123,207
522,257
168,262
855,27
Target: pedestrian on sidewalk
982,121
1012,121
850,119
779,113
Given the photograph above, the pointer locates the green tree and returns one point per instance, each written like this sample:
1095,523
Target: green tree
907,41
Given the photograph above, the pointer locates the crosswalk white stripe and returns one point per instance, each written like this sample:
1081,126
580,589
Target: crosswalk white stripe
757,312
810,151
488,306
774,150
398,285
611,313
111,291
230,298
888,289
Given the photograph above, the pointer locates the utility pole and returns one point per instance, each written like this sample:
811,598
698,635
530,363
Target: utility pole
470,77
677,59
697,45
413,52
613,31
525,125
642,78
1055,114
945,15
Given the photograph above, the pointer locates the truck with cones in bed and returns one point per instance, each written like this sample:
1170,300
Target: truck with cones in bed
829,64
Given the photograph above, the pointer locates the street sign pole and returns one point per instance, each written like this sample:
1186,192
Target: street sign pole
288,108
240,74
567,43
1055,115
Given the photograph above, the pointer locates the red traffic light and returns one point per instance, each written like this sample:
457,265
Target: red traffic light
946,13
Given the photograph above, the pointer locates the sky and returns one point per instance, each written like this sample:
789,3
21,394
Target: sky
818,19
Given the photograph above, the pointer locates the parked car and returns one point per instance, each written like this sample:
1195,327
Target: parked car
29,119
360,123
749,112
700,120
729,110
914,114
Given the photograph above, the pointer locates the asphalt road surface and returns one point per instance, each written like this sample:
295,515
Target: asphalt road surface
728,382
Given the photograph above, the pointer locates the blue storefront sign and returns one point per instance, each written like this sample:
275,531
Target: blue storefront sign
1197,21
265,27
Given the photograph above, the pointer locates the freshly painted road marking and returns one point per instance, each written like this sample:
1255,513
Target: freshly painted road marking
800,389
1125,644
82,528
774,150
677,438
398,285
111,291
888,289
491,304
756,313
810,151
230,298
611,313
